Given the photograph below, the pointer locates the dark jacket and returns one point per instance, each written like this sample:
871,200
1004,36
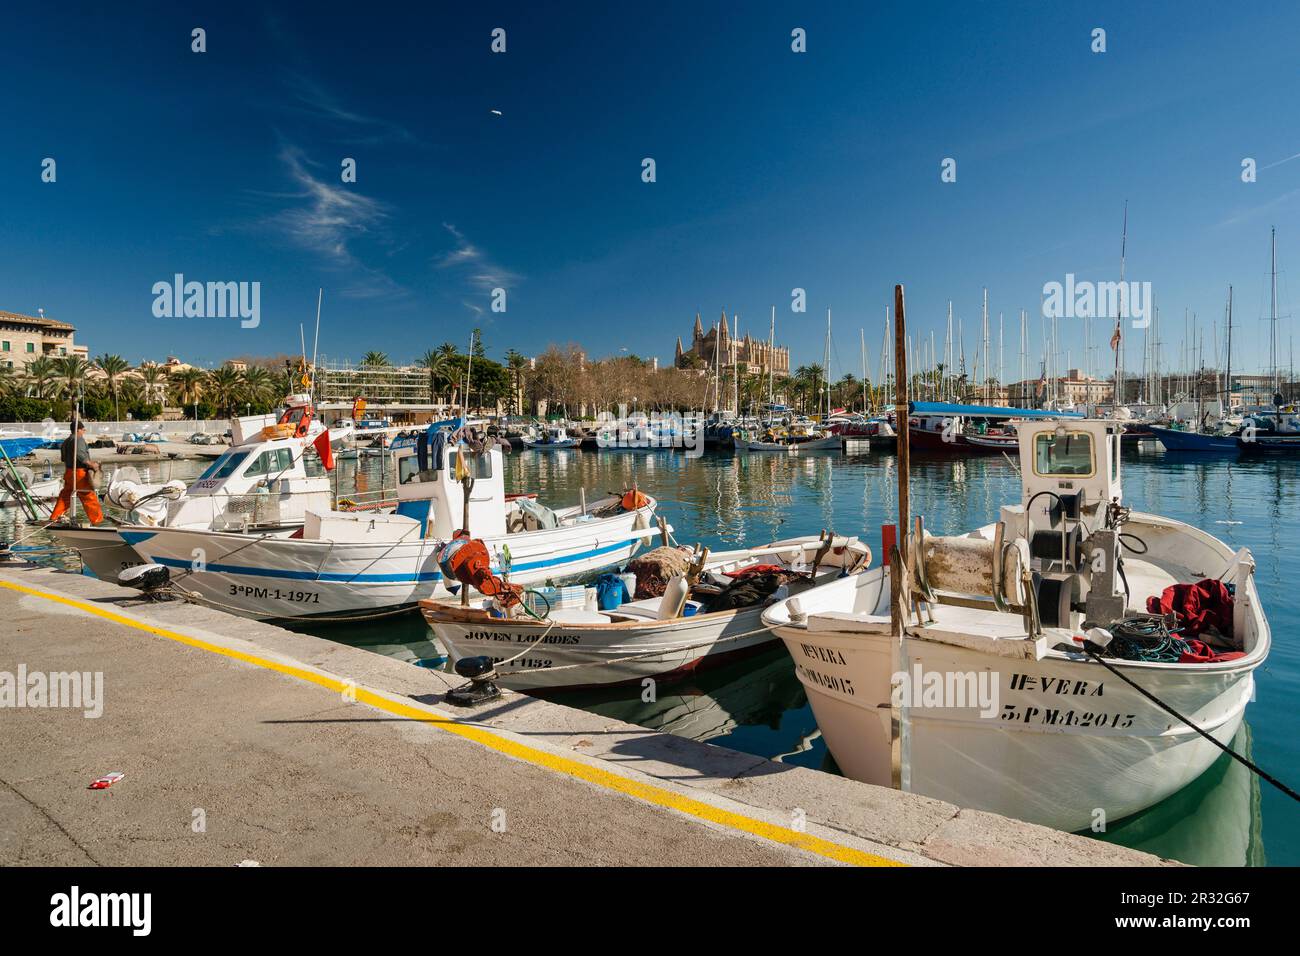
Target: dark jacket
75,444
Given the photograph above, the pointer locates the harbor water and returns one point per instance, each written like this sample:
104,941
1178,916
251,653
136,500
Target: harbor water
756,705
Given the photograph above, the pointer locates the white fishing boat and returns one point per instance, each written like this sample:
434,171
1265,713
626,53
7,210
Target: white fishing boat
790,445
792,437
990,698
263,484
550,439
22,482
350,563
663,637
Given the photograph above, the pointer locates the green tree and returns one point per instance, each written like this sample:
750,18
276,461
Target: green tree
224,387
113,367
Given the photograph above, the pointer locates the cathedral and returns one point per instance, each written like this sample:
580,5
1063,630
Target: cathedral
755,355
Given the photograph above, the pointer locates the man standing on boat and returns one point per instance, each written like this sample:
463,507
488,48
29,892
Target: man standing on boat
77,469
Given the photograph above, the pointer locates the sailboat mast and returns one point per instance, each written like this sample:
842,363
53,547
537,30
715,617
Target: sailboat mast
862,335
1227,405
771,357
1119,335
1272,353
826,363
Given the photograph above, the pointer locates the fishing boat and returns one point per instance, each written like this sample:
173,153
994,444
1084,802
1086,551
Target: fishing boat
1041,637
663,637
1187,440
355,563
263,484
954,429
550,439
799,435
20,482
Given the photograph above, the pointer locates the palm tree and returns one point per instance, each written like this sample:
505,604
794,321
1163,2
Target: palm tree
224,387
8,381
258,384
437,364
376,359
70,372
515,362
113,366
154,379
41,377
188,386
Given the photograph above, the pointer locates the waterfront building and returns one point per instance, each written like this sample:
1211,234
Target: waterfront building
27,337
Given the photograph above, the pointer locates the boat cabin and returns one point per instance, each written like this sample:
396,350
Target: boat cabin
1069,468
268,478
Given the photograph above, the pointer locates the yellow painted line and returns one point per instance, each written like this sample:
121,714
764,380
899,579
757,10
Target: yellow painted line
649,793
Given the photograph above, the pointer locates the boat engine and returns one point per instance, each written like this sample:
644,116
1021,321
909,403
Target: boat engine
466,560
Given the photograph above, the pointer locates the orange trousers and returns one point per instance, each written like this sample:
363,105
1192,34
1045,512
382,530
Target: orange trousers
78,481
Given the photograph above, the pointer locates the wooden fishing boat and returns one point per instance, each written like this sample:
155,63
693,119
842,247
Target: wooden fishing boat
1036,636
656,637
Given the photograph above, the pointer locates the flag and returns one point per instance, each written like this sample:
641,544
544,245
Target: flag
1114,339
322,446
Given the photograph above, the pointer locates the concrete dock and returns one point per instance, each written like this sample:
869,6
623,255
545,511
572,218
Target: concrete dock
242,741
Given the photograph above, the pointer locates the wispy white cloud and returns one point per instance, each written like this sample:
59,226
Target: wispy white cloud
327,218
477,268
310,97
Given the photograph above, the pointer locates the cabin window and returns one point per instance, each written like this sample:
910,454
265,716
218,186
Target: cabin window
312,466
1068,454
1114,458
478,466
271,462
224,466
408,470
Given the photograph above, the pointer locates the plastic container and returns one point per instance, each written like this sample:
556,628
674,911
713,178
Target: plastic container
629,582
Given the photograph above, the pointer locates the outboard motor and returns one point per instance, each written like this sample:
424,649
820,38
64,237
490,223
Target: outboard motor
150,579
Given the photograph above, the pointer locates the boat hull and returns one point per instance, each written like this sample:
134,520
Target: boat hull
278,578
591,655
1093,752
101,548
834,443
1174,439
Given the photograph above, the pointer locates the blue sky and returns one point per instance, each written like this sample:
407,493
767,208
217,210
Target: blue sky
775,170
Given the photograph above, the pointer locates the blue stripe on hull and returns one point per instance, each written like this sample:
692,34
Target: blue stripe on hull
367,578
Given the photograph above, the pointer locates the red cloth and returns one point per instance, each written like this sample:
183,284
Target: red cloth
755,569
1201,653
1196,606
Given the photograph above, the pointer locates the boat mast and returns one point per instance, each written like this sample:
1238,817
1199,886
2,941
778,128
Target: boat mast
862,335
947,355
771,357
1227,382
1119,337
1272,353
826,365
